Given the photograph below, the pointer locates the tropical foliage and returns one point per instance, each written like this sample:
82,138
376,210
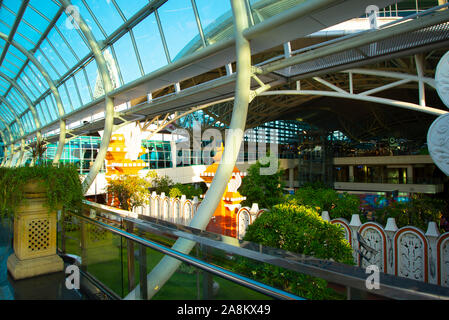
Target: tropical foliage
62,186
418,212
188,190
299,229
265,190
339,205
130,190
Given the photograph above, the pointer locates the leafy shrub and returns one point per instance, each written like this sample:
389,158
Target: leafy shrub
161,184
185,189
418,212
265,190
298,229
62,186
339,205
131,191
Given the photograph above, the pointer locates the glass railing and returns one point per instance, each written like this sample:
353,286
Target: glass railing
119,255
119,249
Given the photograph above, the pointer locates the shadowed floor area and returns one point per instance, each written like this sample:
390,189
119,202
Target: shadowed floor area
44,287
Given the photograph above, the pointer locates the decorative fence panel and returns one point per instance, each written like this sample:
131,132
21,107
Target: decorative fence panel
406,252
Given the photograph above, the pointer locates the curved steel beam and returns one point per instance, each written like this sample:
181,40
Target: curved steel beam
7,163
54,90
5,151
25,97
109,101
21,130
394,103
167,266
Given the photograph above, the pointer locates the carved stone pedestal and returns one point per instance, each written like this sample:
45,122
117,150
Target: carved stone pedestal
34,239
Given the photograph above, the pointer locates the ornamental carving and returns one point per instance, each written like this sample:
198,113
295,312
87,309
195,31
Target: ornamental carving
444,263
438,142
411,258
373,239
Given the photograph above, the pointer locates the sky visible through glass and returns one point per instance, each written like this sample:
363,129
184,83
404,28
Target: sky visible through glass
61,49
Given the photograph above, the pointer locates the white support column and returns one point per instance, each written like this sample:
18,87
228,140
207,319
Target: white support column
351,173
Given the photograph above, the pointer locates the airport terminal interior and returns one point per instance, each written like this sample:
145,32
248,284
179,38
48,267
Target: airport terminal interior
224,150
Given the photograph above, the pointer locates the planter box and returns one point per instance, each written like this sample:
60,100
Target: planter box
34,237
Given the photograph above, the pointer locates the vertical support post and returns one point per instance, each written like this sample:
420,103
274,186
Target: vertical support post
109,101
83,239
130,257
207,277
143,272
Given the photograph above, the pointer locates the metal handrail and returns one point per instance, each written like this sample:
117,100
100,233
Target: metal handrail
349,276
221,272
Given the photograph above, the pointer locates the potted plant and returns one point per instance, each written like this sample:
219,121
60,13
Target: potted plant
38,149
31,196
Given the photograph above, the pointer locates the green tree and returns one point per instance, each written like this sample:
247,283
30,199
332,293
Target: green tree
185,189
131,191
299,229
339,205
265,190
161,184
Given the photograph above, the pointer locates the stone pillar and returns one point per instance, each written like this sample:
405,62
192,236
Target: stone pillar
351,173
409,174
290,177
325,216
34,237
355,226
432,235
390,230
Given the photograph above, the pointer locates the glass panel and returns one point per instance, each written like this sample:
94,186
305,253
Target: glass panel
33,18
49,68
73,37
62,48
65,99
82,86
43,84
177,18
73,94
88,19
40,114
127,59
92,74
53,57
129,8
215,16
149,44
106,14
28,32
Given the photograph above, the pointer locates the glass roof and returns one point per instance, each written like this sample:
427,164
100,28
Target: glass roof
41,43
158,32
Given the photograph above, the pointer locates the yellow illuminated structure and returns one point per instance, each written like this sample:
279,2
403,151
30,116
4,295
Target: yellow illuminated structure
224,220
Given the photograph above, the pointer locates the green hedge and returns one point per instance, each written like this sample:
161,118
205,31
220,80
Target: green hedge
298,229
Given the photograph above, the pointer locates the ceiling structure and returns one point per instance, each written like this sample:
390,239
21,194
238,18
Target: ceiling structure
49,73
